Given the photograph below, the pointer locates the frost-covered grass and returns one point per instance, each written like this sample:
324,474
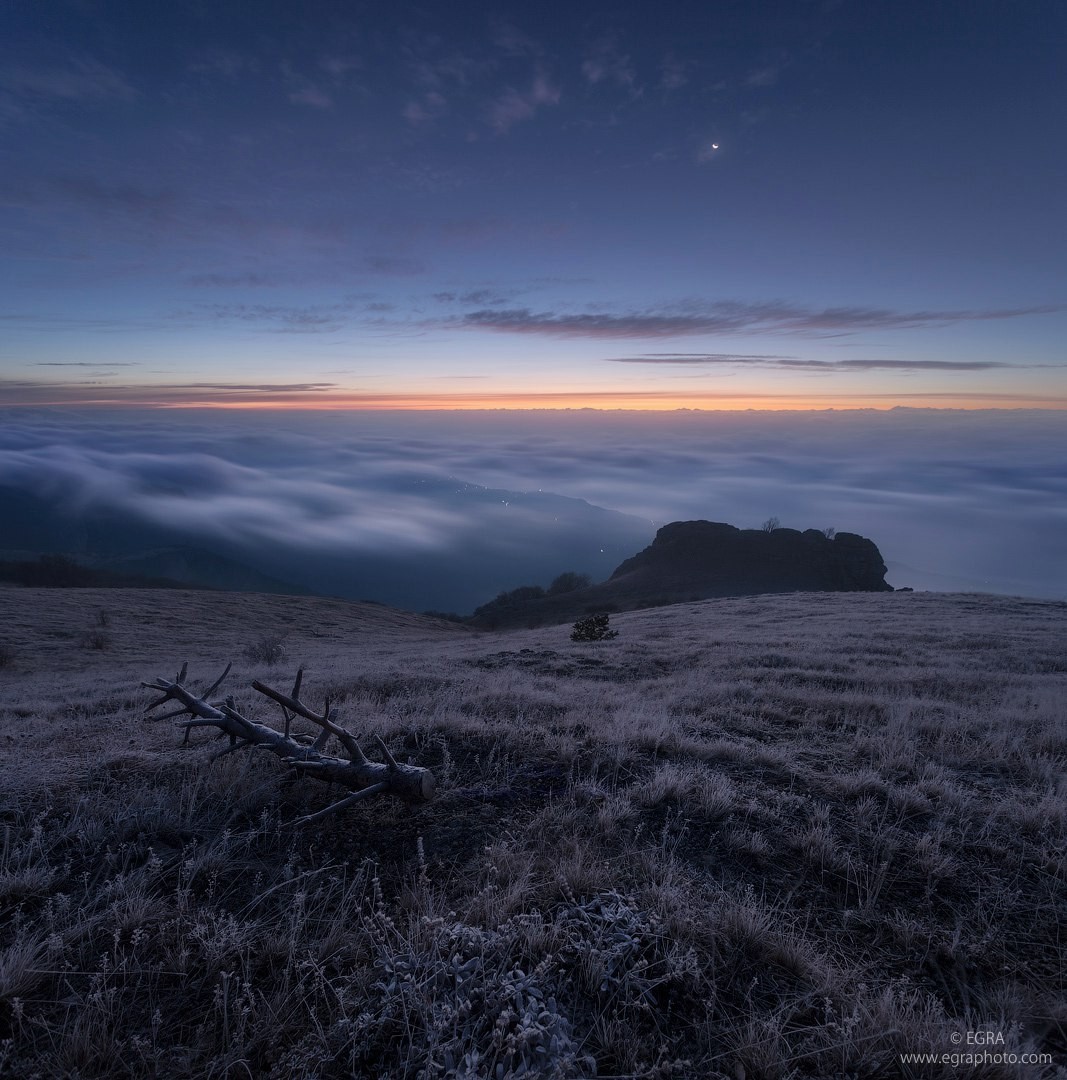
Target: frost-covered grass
779,836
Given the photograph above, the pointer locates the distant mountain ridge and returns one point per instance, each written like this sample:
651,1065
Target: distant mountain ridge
191,566
167,568
508,533
700,560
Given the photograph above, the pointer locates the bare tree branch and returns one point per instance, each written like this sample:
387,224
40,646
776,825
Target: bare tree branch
357,773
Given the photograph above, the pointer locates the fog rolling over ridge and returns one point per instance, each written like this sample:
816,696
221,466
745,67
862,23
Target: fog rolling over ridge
486,535
443,510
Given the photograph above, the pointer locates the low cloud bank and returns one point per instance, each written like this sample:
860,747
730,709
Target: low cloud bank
727,317
969,500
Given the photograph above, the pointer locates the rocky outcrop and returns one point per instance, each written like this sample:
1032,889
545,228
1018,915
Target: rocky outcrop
711,558
700,560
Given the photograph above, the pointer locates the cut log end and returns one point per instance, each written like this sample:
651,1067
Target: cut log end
411,783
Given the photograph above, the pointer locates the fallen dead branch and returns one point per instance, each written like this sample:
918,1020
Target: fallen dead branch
354,771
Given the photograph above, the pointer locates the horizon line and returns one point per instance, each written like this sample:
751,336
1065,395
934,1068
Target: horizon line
633,401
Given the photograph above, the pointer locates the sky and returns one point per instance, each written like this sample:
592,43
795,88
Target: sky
390,281
704,205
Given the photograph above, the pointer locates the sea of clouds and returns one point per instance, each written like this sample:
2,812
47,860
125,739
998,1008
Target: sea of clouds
955,500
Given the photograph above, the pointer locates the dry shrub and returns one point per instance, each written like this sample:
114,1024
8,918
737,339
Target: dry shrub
593,628
100,640
269,650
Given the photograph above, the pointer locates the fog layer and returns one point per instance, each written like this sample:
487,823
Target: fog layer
437,508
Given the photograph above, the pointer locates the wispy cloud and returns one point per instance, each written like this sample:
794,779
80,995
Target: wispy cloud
422,110
87,192
102,209
433,69
514,106
707,151
227,63
675,72
80,79
339,66
50,321
906,365
698,358
792,362
607,63
279,318
250,280
259,388
763,76
473,296
99,389
727,317
394,265
311,95
303,90
511,41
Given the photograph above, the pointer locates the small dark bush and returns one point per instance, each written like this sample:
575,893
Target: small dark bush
103,617
595,628
97,639
268,650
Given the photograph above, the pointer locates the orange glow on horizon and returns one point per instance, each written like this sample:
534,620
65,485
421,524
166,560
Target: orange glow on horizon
613,400
632,401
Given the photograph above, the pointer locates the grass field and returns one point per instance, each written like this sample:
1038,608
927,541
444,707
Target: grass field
764,837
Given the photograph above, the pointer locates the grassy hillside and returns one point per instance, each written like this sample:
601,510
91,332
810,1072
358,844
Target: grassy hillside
773,836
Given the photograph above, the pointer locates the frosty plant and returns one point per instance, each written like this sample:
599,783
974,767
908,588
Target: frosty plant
594,628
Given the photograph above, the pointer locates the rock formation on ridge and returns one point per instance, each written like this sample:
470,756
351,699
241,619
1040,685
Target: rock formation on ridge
699,560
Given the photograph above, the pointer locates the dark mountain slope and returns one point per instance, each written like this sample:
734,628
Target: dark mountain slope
191,566
698,560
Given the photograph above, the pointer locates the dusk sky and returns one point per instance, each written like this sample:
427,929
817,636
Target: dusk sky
711,205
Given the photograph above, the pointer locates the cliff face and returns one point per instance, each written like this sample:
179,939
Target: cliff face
710,558
699,560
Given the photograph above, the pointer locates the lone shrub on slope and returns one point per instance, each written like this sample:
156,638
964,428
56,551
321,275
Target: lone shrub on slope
595,628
